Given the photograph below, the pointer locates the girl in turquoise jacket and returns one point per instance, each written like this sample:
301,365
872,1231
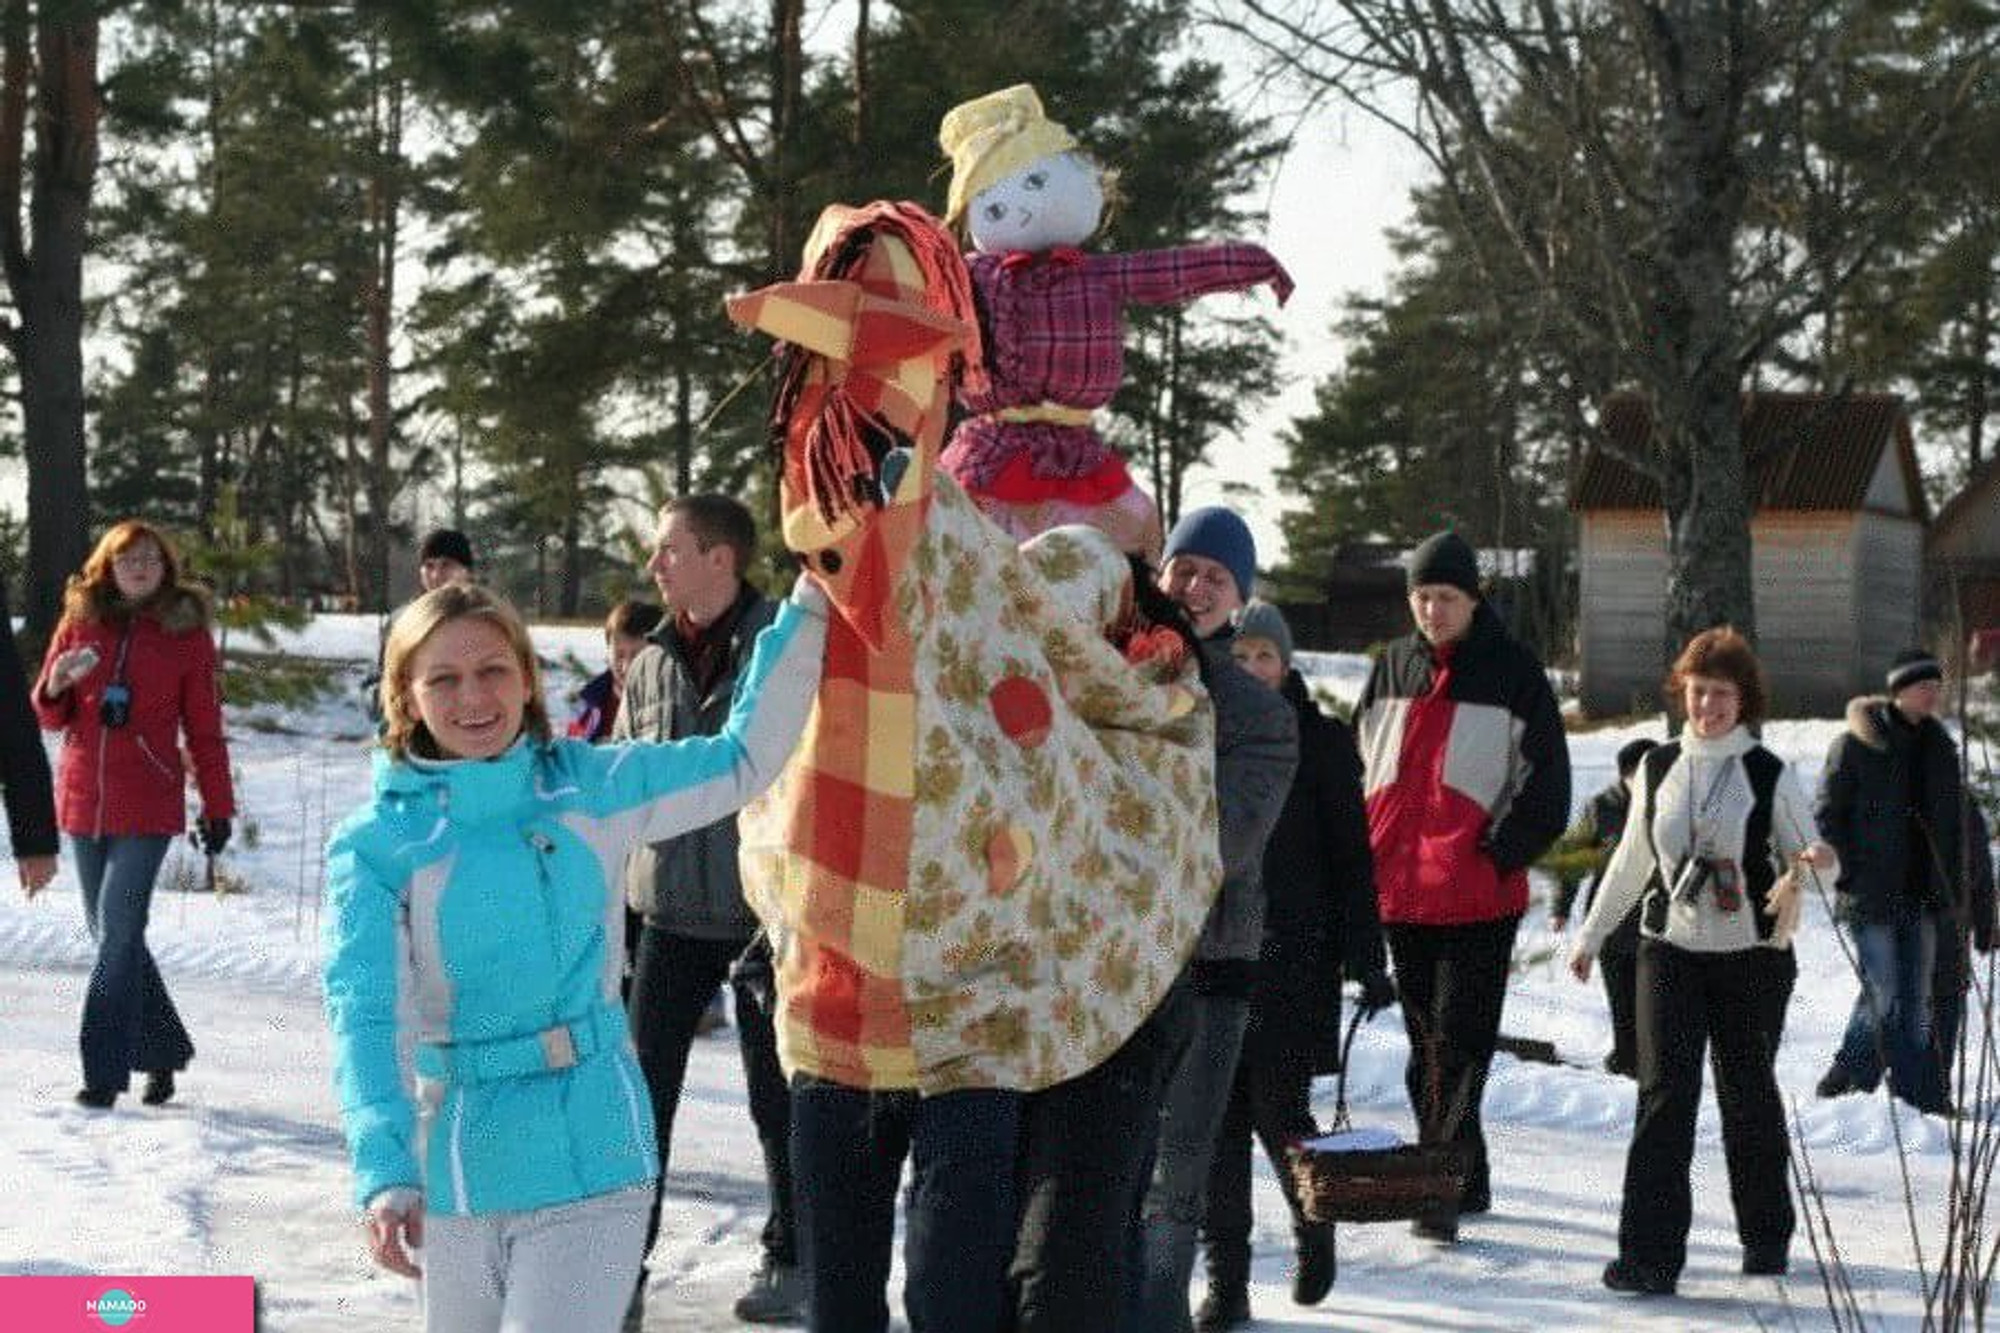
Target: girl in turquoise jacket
474,915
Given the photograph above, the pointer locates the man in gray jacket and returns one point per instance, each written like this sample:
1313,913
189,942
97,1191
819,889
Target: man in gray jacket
1211,564
687,890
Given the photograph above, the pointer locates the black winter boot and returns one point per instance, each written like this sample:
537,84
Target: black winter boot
1226,1306
1316,1266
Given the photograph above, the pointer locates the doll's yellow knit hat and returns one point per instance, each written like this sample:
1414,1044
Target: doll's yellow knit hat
990,138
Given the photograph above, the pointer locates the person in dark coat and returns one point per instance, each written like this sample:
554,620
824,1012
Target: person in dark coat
1975,930
24,769
1890,803
1467,785
625,631
695,924
1602,824
1210,569
1319,925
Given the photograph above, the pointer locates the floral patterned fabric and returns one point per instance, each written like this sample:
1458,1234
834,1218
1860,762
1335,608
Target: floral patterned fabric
996,893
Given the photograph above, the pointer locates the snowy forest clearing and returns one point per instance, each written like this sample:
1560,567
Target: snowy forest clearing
246,1171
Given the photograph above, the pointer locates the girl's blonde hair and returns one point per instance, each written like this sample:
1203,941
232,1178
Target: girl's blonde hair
92,592
405,733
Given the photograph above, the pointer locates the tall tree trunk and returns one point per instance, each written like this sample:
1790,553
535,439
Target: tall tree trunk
47,283
1979,400
683,428
384,200
350,515
788,63
570,596
1692,366
863,88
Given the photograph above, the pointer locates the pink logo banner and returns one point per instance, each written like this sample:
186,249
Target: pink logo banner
142,1304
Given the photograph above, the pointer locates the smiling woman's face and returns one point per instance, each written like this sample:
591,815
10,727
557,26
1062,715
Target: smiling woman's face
468,688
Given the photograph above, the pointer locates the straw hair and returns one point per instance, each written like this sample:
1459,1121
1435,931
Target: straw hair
990,138
406,735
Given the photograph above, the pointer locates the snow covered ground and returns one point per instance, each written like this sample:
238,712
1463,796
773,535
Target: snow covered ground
245,1173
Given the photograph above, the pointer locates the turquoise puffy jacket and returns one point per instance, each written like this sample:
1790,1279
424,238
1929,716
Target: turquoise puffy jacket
476,906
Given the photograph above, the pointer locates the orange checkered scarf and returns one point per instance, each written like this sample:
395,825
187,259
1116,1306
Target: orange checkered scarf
861,314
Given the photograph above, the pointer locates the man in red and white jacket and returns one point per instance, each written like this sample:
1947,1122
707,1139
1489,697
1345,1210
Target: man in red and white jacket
1467,782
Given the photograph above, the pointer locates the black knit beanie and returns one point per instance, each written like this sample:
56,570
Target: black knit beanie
446,544
1445,558
1913,666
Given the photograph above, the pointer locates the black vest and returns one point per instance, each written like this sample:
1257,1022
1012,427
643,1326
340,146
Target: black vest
1760,865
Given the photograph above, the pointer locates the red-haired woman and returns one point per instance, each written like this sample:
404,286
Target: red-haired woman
1716,821
129,674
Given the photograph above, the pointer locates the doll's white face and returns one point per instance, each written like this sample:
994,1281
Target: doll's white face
1052,201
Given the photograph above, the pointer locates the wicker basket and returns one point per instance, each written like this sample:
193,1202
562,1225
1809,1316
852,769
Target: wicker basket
1375,1185
1384,1185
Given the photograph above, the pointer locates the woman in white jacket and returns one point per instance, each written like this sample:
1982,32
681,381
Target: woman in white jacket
1720,830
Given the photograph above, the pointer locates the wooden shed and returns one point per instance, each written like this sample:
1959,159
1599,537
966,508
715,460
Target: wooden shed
1963,555
1837,547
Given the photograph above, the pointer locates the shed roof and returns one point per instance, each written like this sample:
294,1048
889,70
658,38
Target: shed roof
1805,450
1981,494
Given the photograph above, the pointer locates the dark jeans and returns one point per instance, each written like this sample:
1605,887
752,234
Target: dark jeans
1621,972
1948,984
672,983
848,1148
1272,1100
1891,1021
1453,984
1086,1147
1689,1002
129,1020
1197,1095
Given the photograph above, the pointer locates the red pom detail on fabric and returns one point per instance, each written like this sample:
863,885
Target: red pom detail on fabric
1155,644
1016,483
1021,707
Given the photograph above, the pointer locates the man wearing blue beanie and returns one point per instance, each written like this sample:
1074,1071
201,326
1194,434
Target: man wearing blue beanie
1217,536
1211,563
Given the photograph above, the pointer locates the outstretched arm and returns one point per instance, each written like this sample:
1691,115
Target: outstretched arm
672,787
1163,277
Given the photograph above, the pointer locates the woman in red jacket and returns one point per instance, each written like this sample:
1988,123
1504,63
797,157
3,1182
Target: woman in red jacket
130,672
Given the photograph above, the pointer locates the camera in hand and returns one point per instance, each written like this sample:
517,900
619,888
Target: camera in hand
114,708
1698,872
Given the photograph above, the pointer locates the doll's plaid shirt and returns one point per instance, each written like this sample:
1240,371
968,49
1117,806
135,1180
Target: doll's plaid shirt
1055,333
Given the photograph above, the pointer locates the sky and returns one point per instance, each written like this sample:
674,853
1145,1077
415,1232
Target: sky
1344,183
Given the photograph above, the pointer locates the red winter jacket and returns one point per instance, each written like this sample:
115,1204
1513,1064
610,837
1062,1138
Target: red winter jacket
1467,775
131,779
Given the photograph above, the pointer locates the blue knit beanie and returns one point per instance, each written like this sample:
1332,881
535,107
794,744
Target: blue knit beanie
1220,535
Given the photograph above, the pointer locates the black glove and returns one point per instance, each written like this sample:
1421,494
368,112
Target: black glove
1378,992
211,835
754,975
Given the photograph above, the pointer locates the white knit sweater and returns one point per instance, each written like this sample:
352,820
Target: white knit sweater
1703,801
